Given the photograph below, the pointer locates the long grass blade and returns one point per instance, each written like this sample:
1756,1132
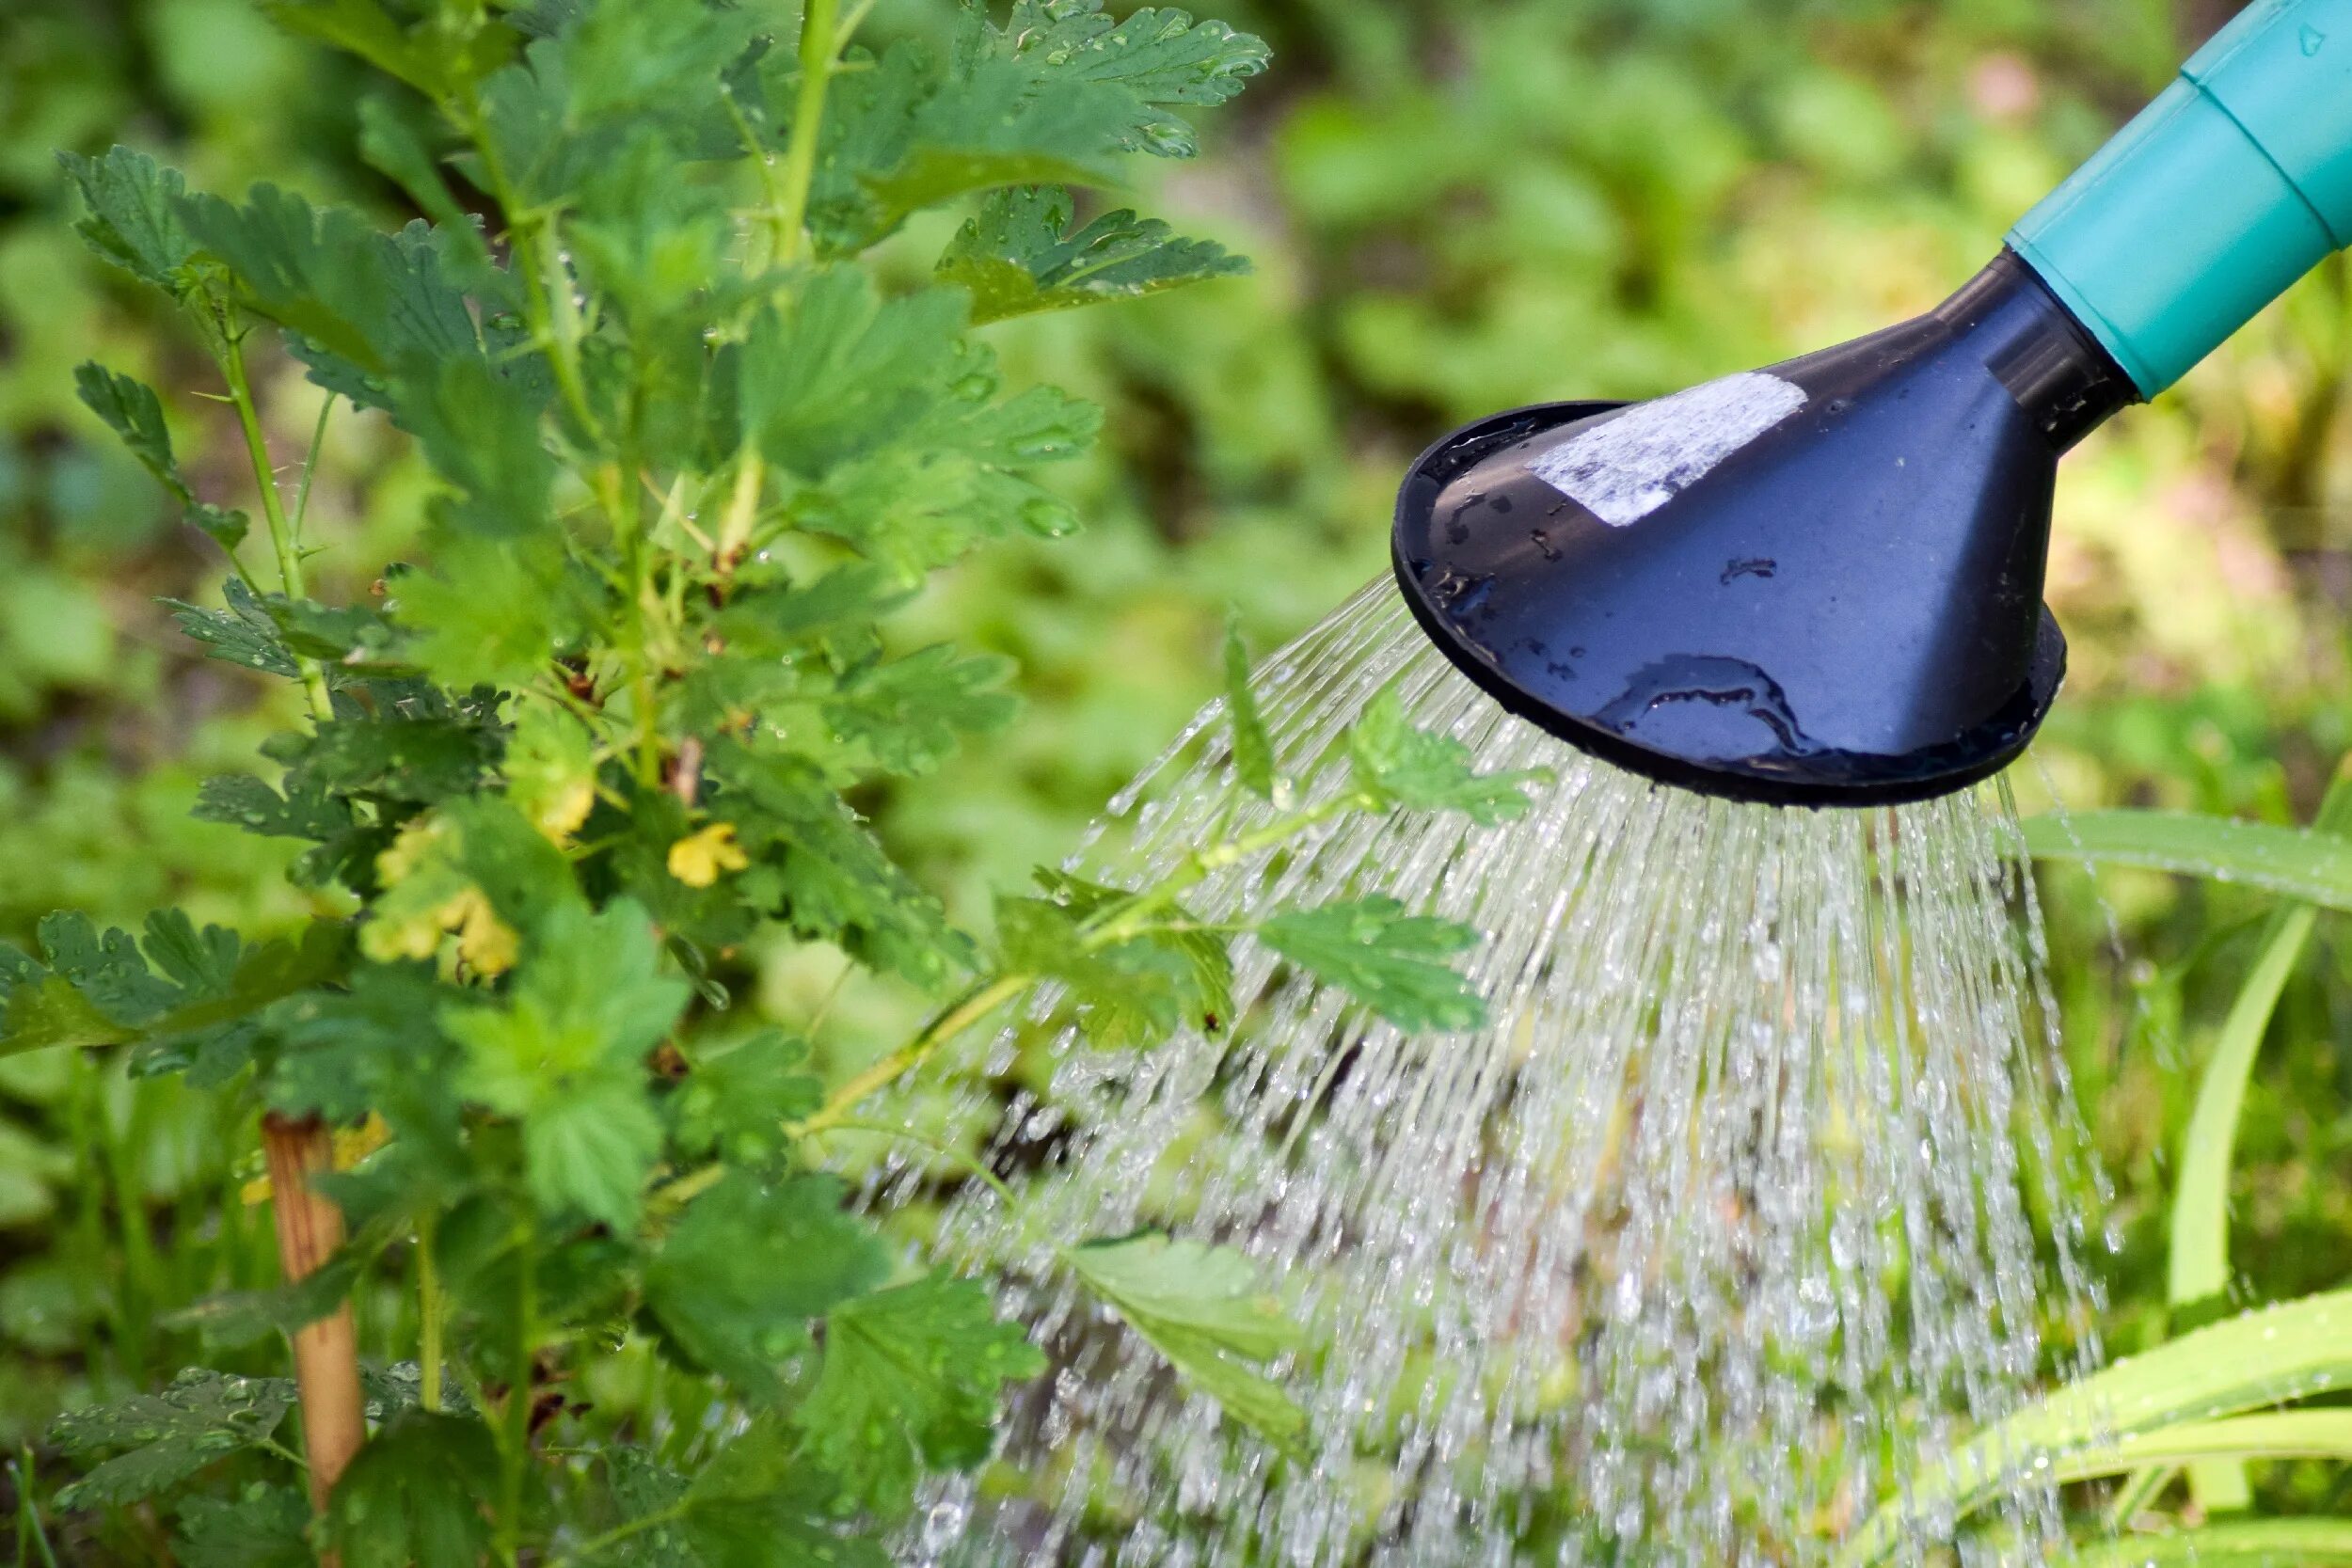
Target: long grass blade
2247,1362
2315,867
2248,1543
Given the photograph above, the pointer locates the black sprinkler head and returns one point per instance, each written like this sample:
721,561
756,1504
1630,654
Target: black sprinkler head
1816,584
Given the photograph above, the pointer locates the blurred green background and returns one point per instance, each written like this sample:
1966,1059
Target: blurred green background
1452,209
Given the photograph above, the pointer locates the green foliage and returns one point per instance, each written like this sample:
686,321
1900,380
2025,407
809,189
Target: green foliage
133,411
749,1264
2245,1363
1253,751
1200,1307
1021,255
158,1440
414,1493
2314,868
1400,766
553,778
1393,962
264,1526
2310,1542
910,1381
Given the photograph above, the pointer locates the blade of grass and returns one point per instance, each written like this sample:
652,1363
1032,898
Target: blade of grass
2245,1363
2245,1544
2313,867
2198,1250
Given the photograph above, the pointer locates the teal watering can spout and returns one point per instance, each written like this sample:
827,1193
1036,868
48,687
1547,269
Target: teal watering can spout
2228,188
1819,583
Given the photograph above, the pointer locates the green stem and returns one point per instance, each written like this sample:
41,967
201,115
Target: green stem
515,1450
30,1536
595,1544
1124,921
808,115
972,1165
282,537
968,1009
310,471
1121,921
429,1312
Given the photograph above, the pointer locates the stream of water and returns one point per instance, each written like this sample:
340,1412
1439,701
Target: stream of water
1738,1210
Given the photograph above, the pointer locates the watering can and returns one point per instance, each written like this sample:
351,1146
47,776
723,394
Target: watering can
1819,583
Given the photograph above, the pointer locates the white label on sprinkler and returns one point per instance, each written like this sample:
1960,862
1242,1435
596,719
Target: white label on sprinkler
1626,467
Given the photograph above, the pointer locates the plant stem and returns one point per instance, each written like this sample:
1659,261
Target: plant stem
1121,921
326,1361
515,1449
595,1544
429,1309
1125,920
309,1228
310,471
735,530
281,538
809,114
30,1536
968,1009
971,1164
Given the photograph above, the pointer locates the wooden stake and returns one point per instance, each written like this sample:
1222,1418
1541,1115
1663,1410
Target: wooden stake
327,1352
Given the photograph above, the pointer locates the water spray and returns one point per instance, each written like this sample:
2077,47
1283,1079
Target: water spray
1755,1192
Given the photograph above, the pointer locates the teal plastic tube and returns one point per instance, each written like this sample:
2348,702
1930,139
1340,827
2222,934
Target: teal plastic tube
2233,184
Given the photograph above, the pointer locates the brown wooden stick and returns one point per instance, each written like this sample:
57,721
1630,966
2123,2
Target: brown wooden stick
327,1352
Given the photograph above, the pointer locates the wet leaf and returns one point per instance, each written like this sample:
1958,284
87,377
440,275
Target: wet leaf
1393,962
1201,1306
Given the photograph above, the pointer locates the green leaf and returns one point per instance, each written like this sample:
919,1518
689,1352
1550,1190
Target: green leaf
910,1379
262,1527
372,303
817,866
419,757
2199,1251
133,411
1393,962
736,1103
1127,996
564,1057
240,1317
490,613
1158,54
244,802
243,634
747,1265
2247,1362
1253,752
1019,256
2316,868
90,990
133,215
2302,1542
481,430
434,59
758,1504
2278,1434
1128,993
166,1437
1201,1307
1400,766
913,712
890,421
415,1493
910,130
374,1046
